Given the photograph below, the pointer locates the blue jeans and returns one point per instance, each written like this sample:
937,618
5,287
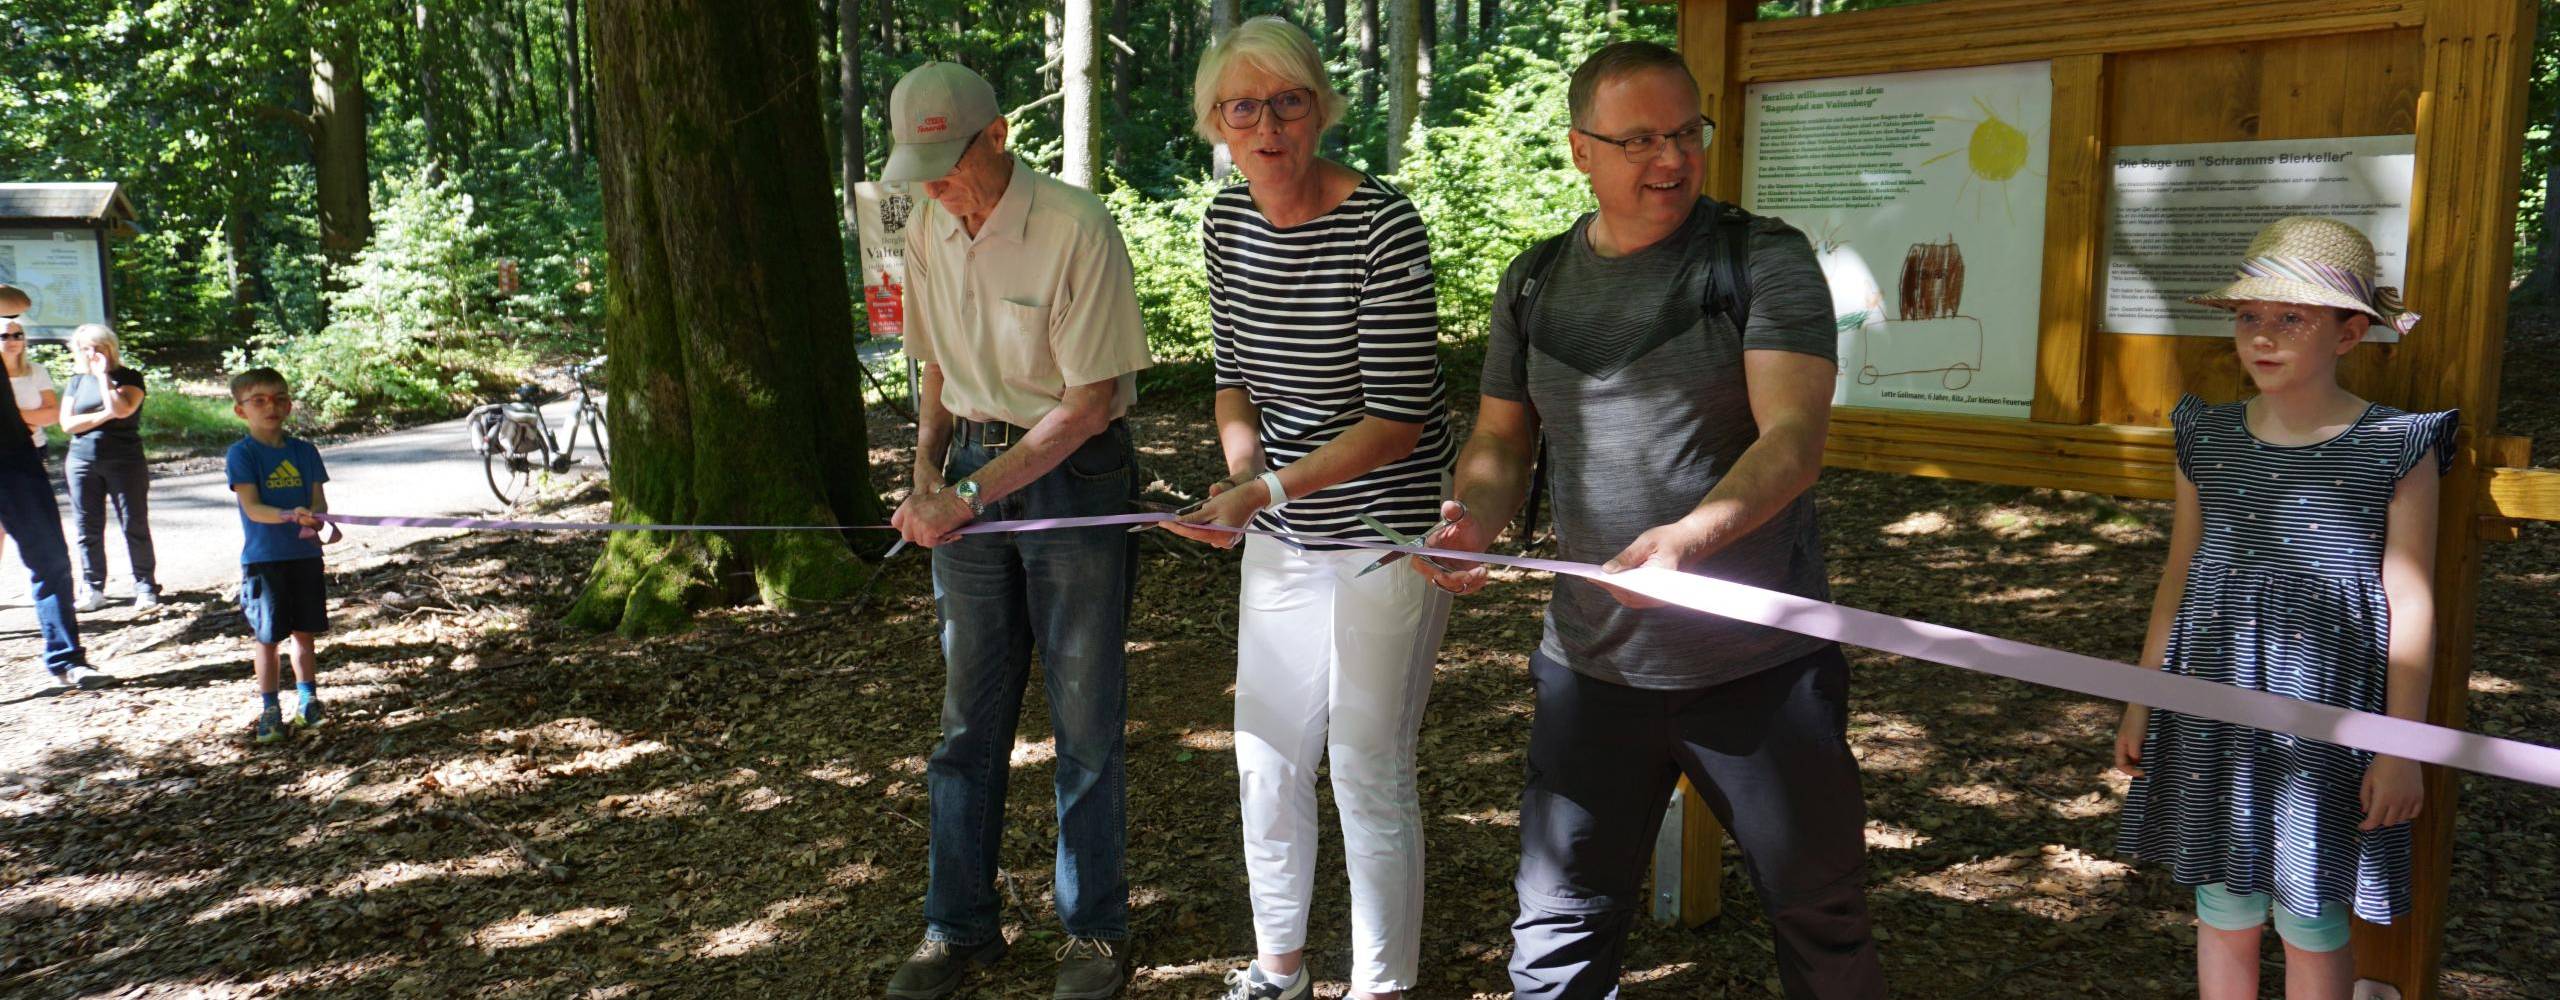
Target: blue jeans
1066,592
28,514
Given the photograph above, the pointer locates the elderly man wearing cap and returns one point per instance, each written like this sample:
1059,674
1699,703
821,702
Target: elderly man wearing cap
1020,311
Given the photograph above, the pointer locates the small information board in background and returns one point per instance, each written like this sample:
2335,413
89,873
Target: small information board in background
884,210
62,272
2179,217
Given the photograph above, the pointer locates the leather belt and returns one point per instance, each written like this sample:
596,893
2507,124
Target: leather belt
993,435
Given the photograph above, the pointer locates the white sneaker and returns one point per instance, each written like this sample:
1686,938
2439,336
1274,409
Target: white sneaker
91,601
1249,983
145,600
84,677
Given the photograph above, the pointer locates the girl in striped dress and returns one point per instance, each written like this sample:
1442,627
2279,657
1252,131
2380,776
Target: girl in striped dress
2299,563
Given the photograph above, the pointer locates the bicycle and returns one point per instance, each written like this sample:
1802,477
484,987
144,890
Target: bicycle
515,440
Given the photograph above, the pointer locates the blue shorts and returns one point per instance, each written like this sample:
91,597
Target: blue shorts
284,597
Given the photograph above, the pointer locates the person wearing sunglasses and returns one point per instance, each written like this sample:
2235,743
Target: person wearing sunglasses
1681,433
32,520
39,404
1023,319
1325,344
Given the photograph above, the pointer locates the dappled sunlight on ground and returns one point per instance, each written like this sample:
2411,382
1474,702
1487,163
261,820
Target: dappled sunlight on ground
503,808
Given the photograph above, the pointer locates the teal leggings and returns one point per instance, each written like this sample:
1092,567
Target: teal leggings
2222,909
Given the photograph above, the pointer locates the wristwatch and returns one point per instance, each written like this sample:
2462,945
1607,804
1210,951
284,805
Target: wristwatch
967,491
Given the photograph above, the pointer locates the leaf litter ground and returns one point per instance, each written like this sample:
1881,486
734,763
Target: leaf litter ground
502,807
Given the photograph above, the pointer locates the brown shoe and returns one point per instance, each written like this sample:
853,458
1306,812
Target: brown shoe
1091,969
938,968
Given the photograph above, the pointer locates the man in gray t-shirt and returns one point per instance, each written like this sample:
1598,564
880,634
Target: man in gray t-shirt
1677,441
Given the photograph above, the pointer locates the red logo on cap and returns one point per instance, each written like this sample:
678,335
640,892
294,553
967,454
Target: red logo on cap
932,123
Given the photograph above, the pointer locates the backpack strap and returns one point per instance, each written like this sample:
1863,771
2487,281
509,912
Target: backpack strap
1542,262
1730,292
1727,292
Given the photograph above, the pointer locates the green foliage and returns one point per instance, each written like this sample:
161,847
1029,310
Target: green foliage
421,321
1488,170
1499,176
1163,234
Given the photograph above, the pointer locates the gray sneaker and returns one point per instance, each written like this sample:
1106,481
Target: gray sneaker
1242,986
90,601
1090,969
938,967
145,600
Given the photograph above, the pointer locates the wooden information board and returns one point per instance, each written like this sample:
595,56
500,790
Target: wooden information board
2162,72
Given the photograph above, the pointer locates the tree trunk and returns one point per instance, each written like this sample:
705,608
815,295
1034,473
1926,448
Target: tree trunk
2542,285
1458,21
1079,117
1124,80
849,89
733,391
1332,28
524,74
586,36
1052,61
1488,13
430,90
1223,18
1368,109
1427,23
1404,93
573,109
338,138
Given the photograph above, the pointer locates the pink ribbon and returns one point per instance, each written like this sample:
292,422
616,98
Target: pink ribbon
2088,675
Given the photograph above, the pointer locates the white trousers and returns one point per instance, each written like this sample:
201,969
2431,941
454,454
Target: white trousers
1332,666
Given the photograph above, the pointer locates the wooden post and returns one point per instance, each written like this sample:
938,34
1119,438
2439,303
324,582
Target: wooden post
1707,37
2471,106
2074,226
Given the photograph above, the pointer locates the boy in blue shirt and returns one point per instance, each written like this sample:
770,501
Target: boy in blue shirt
283,590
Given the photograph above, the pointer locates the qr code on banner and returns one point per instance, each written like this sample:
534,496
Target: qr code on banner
894,210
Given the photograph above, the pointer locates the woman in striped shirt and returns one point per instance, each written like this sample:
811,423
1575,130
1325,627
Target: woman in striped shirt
1329,407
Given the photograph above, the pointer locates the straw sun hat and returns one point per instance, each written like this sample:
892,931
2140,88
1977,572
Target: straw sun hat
2312,261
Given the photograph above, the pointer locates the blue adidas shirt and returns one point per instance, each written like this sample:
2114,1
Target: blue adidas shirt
284,476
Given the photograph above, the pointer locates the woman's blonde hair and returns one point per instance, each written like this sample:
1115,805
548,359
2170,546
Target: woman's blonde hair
1269,44
97,335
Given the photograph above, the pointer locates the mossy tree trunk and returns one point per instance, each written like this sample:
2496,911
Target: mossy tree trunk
337,124
734,393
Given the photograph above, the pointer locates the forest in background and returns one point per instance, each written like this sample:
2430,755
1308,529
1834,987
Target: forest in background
397,201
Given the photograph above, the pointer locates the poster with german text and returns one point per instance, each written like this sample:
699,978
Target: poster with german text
2180,217
1923,194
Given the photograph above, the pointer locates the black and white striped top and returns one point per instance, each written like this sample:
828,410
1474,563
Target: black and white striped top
1325,323
2284,595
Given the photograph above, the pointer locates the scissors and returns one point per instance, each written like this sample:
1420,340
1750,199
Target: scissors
1229,483
1401,538
862,598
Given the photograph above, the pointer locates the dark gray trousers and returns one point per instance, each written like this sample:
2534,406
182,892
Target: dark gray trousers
125,482
1769,752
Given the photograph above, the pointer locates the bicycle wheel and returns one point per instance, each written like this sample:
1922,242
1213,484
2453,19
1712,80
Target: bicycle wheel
593,419
512,465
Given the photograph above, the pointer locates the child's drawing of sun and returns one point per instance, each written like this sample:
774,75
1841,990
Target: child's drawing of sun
1997,153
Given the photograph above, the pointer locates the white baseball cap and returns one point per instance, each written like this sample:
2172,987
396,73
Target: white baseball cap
933,112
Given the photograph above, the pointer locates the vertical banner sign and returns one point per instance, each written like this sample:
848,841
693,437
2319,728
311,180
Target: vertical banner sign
2179,218
884,210
1924,196
61,271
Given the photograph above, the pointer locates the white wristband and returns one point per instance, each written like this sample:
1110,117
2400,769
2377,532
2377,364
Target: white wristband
1279,496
